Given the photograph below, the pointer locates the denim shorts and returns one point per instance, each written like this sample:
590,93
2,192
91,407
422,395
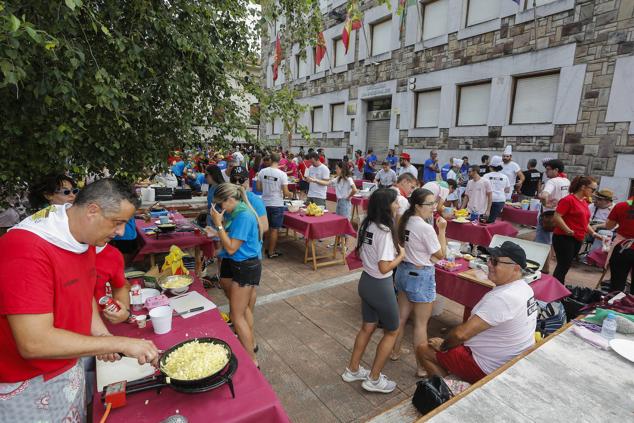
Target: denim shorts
245,273
275,216
419,285
344,208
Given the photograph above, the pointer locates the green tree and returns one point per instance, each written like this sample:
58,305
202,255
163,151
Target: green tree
88,84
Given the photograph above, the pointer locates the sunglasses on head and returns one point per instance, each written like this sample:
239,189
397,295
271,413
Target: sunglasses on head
73,191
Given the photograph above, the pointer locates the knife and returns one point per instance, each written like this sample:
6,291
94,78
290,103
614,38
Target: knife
191,310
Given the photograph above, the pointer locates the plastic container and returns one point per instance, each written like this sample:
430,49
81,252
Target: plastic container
608,330
161,319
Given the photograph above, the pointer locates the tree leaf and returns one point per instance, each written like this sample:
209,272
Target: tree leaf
70,4
105,30
14,23
33,34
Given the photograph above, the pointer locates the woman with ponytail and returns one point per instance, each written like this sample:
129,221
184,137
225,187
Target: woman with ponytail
380,253
241,239
415,276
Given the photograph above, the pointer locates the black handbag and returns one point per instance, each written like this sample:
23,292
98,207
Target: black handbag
430,393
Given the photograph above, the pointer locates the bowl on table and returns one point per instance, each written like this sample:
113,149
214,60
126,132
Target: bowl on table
175,284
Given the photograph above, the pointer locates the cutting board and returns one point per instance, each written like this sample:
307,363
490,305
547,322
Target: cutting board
477,276
191,300
125,369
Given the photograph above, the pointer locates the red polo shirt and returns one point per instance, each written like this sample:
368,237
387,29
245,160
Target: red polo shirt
576,214
36,277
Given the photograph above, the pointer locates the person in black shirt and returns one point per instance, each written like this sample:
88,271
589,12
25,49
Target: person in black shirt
532,181
484,167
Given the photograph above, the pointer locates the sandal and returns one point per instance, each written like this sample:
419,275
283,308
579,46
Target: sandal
274,255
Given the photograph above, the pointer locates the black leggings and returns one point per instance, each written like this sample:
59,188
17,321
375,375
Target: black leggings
566,249
621,263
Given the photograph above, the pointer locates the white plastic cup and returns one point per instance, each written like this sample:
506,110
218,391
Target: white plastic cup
141,321
164,219
161,319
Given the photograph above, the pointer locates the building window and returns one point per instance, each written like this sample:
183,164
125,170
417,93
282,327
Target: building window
302,66
381,36
277,126
317,119
529,3
339,51
434,19
534,99
427,109
337,117
479,11
473,104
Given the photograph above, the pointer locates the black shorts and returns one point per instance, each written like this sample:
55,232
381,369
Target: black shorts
245,273
303,186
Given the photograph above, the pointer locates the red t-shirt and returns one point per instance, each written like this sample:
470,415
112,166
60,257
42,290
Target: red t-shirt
37,277
576,214
303,165
623,214
109,265
360,164
322,159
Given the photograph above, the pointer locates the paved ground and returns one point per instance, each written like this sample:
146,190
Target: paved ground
306,323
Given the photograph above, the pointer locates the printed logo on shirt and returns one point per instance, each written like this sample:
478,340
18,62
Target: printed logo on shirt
406,236
272,178
369,238
531,306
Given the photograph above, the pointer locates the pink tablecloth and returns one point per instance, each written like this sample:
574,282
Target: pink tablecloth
312,227
150,244
519,216
477,233
468,293
255,400
356,201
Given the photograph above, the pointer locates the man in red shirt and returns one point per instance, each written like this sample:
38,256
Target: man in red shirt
48,316
360,164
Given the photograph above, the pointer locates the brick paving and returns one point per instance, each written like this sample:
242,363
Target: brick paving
306,338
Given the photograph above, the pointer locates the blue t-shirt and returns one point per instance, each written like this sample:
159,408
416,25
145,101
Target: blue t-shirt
200,179
245,228
392,160
178,168
370,159
222,165
257,203
428,173
129,233
444,170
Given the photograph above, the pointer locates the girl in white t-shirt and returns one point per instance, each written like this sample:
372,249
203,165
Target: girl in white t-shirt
344,190
416,276
380,253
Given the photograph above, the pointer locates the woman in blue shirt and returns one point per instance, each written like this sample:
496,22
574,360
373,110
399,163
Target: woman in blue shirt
241,240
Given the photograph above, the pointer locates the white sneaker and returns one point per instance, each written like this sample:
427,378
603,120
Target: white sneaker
350,376
383,384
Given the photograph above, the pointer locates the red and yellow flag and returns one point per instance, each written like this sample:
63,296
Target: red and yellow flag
320,48
353,22
278,57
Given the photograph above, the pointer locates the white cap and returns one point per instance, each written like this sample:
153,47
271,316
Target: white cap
508,151
457,162
496,161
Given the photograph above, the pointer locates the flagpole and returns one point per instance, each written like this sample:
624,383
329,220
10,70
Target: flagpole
535,21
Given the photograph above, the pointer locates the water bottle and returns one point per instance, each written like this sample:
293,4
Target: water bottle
608,330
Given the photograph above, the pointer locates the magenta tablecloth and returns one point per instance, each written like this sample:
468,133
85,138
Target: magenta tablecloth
468,293
356,201
255,400
519,216
312,227
477,233
151,245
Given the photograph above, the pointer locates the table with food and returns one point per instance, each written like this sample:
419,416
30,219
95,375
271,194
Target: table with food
314,223
160,229
203,374
460,227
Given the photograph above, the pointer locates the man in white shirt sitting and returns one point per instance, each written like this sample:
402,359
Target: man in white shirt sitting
501,326
385,177
273,184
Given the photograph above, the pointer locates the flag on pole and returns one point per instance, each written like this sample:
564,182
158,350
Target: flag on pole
320,48
353,22
278,57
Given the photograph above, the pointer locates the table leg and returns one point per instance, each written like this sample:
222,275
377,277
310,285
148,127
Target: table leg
198,261
355,211
306,252
334,249
152,260
312,246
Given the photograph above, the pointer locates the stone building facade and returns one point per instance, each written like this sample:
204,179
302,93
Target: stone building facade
469,77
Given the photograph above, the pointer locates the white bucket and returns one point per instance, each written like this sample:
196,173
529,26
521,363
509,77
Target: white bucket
161,319
535,203
147,195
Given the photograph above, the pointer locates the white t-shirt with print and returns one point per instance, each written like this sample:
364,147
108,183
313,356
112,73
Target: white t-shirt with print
402,201
499,183
477,193
321,172
343,186
557,188
510,169
421,242
511,312
377,246
272,180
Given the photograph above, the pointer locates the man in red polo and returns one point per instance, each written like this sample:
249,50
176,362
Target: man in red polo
501,326
48,315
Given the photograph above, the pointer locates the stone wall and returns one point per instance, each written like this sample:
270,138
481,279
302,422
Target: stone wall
603,31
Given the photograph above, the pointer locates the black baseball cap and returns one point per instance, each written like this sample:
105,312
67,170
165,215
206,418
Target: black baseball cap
511,250
239,174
